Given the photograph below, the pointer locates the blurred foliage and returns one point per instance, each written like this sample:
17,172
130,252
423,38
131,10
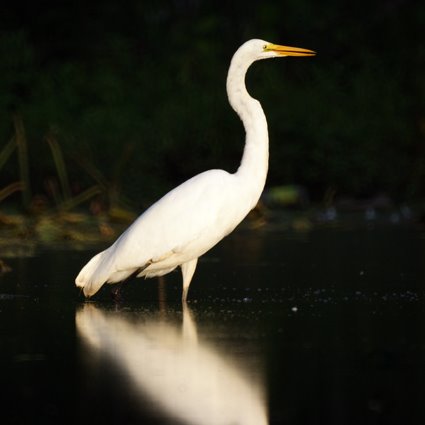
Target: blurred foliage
136,91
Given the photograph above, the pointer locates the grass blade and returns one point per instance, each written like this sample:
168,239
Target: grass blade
9,189
60,166
80,198
21,143
7,151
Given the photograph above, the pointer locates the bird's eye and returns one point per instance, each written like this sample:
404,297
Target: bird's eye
265,47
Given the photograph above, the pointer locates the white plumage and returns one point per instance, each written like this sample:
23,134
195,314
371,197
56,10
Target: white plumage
193,217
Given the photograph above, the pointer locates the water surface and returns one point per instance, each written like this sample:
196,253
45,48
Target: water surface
319,327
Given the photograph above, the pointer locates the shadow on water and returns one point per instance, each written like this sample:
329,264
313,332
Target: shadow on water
323,327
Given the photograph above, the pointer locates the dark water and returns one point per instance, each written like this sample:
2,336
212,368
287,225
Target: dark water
324,327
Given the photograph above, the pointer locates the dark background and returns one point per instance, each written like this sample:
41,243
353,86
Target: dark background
133,95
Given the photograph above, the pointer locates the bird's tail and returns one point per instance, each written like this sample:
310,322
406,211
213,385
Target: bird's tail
89,278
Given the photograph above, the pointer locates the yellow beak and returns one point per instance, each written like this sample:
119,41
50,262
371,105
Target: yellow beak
288,51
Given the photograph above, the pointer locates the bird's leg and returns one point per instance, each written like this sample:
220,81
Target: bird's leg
188,269
116,293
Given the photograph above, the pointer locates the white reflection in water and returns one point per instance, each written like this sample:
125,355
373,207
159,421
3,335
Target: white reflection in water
186,378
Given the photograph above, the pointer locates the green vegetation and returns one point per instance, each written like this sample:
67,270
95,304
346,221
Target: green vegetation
108,102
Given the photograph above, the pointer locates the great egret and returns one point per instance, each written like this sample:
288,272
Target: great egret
192,218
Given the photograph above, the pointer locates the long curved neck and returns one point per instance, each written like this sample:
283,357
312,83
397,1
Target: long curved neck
254,164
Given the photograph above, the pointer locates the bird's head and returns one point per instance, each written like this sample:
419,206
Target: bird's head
260,49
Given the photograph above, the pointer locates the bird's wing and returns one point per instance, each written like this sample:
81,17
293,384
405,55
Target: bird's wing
195,209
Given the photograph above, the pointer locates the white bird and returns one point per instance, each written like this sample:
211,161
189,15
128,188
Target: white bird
192,218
